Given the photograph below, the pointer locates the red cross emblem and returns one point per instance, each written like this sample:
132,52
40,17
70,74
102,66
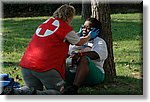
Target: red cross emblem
47,28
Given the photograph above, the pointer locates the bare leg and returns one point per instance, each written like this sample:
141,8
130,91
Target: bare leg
82,71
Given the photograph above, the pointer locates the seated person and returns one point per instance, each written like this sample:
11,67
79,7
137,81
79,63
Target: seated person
85,63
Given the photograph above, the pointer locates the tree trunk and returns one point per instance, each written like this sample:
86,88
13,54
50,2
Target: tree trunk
100,11
86,9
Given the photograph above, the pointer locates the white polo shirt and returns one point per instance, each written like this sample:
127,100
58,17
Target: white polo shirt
98,45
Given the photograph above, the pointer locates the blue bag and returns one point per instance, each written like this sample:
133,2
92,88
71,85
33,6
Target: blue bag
8,81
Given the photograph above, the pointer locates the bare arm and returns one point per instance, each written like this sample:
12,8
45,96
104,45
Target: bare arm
91,54
74,39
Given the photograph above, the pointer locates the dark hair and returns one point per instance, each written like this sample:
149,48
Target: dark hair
95,24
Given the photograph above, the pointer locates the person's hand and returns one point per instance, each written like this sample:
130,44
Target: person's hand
94,33
75,58
80,31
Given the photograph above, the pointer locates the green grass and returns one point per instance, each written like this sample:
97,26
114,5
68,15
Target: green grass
127,47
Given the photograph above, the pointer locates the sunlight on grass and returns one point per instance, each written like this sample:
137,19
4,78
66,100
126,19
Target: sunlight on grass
127,37
127,44
127,47
26,18
127,17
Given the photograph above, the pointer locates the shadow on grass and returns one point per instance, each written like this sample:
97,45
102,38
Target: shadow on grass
125,31
121,30
9,64
120,86
130,63
22,30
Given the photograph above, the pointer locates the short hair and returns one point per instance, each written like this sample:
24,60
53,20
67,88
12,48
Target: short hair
64,12
95,23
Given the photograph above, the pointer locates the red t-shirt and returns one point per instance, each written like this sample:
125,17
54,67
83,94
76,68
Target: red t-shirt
47,49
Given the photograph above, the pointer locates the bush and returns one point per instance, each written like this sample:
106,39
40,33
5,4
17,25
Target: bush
31,10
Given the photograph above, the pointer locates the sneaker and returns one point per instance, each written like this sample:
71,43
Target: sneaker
25,91
7,91
18,91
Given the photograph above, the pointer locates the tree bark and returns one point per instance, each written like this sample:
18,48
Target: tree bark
86,9
100,11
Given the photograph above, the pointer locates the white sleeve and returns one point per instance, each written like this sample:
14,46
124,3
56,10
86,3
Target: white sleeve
72,37
100,47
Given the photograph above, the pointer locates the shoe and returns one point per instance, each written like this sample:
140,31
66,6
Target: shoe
71,90
25,91
7,91
18,91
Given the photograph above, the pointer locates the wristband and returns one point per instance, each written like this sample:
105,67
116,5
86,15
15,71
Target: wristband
80,54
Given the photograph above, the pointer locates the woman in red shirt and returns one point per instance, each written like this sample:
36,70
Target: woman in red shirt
43,63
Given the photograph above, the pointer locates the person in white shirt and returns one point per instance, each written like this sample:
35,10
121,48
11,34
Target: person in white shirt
85,63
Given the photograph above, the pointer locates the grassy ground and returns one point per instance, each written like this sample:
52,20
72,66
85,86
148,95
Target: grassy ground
127,44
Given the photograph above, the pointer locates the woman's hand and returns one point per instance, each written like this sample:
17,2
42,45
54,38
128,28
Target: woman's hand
94,33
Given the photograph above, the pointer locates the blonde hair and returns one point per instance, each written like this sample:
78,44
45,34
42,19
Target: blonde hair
64,12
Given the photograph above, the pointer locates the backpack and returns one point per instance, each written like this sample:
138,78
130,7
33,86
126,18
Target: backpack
6,81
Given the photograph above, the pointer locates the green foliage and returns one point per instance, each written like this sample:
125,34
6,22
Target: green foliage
47,9
127,43
127,47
